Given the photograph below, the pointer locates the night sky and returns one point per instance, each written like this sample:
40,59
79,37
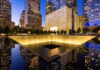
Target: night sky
19,5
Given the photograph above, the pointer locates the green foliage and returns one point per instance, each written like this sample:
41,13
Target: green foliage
63,32
85,30
72,31
96,30
38,32
58,32
6,29
78,30
96,40
45,32
18,30
49,32
15,30
1,29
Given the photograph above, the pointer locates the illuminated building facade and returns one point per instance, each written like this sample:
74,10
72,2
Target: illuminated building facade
32,14
5,14
93,12
62,15
22,20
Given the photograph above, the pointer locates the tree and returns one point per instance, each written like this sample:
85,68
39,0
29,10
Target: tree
15,29
78,30
96,30
71,31
85,30
58,32
63,32
49,32
6,30
54,32
1,29
45,32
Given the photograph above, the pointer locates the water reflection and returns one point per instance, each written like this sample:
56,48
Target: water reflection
92,54
17,63
5,54
13,56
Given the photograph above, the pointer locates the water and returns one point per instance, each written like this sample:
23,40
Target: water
50,56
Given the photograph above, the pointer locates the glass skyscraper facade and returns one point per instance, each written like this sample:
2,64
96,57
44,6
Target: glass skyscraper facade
61,3
93,12
57,4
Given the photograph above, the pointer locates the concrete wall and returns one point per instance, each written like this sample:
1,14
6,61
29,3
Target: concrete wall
25,40
62,19
76,23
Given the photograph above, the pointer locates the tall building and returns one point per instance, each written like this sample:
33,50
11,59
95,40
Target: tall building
22,20
32,14
93,12
5,9
5,13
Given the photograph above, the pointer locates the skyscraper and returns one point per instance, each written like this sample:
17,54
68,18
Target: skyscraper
59,3
22,19
32,14
93,12
5,9
5,13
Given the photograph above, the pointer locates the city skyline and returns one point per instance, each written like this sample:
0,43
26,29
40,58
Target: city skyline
50,34
20,6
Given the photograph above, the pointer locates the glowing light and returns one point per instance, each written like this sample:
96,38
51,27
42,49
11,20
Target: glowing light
85,56
98,38
54,51
99,31
97,9
88,68
98,55
25,40
29,32
92,53
86,61
53,28
92,58
96,65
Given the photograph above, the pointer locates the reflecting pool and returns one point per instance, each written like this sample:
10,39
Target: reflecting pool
50,56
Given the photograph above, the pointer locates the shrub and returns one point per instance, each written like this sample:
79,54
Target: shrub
78,30
71,31
85,30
